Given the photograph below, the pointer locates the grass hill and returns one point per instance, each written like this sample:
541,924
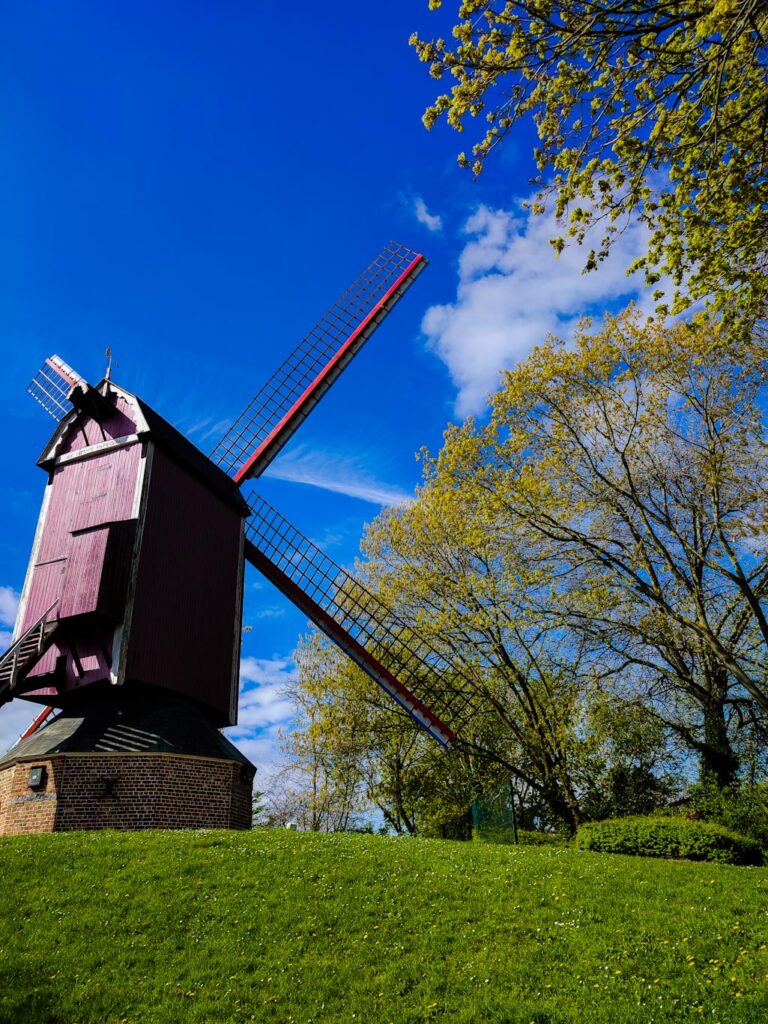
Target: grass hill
286,927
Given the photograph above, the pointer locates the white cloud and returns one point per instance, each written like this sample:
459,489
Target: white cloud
431,221
263,751
263,709
341,474
266,671
329,539
15,717
9,606
513,291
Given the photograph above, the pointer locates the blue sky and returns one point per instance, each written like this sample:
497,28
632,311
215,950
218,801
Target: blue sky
193,185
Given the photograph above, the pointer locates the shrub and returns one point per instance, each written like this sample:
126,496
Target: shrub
668,837
525,837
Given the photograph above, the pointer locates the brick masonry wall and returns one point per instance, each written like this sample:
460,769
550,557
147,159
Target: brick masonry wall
125,791
23,809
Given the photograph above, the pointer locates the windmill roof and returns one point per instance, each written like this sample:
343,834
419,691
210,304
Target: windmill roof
115,725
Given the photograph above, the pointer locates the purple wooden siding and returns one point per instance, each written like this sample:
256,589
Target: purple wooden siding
82,579
87,659
88,493
183,626
72,567
87,431
47,585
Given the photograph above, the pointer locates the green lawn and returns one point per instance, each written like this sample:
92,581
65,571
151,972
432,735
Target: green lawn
279,926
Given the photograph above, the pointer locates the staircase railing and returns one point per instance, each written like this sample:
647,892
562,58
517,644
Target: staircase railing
25,651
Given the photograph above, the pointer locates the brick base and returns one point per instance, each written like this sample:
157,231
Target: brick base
125,791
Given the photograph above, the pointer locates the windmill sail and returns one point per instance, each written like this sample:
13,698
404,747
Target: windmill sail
53,385
59,389
380,643
294,390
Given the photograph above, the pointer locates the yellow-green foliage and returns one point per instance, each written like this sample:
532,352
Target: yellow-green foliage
657,110
598,546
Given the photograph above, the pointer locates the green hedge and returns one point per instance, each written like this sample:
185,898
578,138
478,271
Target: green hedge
669,837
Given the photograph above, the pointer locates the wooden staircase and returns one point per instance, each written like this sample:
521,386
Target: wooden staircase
22,655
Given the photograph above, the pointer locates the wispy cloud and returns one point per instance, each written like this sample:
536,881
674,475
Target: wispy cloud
262,750
271,612
208,429
431,221
342,474
512,291
9,606
329,540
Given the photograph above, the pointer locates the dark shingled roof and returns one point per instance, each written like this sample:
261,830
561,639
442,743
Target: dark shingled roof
116,725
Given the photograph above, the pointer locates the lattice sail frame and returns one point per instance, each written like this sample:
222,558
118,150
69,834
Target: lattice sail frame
288,397
52,386
383,645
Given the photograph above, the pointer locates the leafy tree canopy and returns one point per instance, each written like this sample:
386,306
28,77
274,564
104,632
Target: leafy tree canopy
595,557
635,464
653,110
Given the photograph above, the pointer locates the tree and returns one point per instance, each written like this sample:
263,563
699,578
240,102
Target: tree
635,769
593,565
634,462
658,111
357,733
259,809
441,564
320,786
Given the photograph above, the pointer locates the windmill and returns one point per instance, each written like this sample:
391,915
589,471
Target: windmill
130,615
